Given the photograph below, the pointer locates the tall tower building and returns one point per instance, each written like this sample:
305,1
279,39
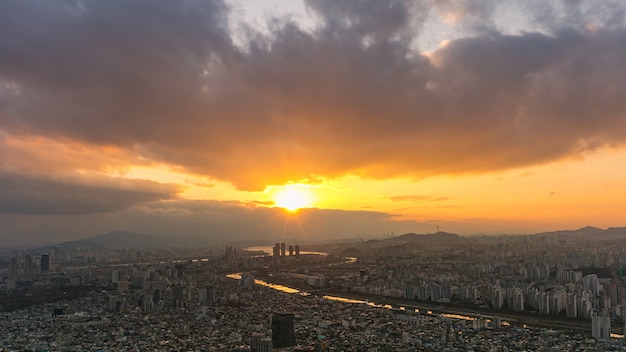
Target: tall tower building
28,265
600,326
210,293
282,249
260,343
45,263
177,295
282,330
276,250
13,268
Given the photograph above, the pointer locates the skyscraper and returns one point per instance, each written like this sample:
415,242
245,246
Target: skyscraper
28,265
276,250
260,343
45,263
282,330
177,295
13,268
600,326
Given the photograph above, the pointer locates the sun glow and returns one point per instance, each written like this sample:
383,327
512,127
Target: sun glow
293,197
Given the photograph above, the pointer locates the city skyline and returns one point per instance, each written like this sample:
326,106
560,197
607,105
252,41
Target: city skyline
310,120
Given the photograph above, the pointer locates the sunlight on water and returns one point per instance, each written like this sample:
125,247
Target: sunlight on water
237,276
344,300
276,287
286,289
268,250
457,316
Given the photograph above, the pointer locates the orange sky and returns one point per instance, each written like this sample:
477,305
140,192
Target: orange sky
390,116
563,194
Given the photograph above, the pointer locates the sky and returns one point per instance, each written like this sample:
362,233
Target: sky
364,118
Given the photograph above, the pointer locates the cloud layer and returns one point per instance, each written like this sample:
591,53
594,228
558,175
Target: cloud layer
164,80
22,195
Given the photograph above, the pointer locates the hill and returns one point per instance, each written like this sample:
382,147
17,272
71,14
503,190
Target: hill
129,239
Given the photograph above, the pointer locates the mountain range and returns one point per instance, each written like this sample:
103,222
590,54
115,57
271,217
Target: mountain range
129,239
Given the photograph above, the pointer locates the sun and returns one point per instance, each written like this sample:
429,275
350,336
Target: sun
293,197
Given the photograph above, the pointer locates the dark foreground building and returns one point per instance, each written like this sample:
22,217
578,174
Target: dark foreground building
282,330
45,263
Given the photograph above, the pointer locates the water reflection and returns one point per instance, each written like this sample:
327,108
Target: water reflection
286,289
268,250
279,287
344,300
457,316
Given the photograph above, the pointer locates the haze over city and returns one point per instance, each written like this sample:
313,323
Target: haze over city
310,120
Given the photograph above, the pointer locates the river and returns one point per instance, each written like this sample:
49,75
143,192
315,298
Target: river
287,289
439,311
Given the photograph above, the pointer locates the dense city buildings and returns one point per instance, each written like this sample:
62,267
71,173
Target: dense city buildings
545,293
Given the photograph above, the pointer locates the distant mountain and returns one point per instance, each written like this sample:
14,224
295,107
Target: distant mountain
128,239
399,245
125,239
589,232
431,238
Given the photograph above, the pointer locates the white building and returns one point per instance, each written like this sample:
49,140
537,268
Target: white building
600,326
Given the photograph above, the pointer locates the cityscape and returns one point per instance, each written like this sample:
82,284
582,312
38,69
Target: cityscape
312,175
557,291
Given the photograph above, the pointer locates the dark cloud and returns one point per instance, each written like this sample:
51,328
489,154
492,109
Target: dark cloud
23,195
580,14
164,80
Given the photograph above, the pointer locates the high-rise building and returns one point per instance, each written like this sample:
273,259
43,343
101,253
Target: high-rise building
177,295
282,249
297,248
282,330
260,343
115,276
600,326
571,309
497,322
276,250
156,295
45,263
247,281
210,293
28,265
591,284
13,268
291,250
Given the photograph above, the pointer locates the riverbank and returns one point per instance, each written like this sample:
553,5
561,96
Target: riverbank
468,313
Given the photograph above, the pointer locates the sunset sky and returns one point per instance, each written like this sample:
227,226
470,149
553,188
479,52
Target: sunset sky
375,116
